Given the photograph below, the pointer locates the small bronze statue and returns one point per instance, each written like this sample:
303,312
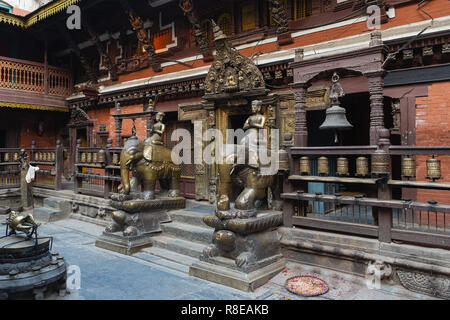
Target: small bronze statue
21,222
158,129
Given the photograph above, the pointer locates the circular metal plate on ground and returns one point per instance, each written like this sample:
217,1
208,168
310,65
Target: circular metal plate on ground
307,286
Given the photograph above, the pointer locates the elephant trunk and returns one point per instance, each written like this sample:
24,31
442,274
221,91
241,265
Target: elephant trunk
125,161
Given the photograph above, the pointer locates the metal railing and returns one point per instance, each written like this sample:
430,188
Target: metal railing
368,208
49,160
97,170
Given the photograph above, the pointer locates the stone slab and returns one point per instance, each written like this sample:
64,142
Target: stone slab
117,242
230,277
49,214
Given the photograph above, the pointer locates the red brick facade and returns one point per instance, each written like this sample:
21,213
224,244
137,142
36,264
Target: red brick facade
433,129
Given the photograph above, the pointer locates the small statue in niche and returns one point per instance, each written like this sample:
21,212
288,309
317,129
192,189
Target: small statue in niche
158,130
255,122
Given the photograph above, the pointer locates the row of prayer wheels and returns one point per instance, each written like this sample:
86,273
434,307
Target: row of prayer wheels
45,156
93,157
433,168
8,157
362,166
380,165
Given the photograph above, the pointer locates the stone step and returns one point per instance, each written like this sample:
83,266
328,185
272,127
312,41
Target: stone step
188,232
189,217
57,203
188,248
169,256
49,214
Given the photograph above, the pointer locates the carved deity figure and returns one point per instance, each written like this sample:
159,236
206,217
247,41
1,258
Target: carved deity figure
158,129
255,122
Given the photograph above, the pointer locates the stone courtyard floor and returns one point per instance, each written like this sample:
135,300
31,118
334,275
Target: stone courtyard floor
108,275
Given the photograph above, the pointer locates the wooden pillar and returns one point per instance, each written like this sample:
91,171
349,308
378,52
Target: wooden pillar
300,89
45,69
77,160
376,83
108,172
118,125
59,165
301,128
384,193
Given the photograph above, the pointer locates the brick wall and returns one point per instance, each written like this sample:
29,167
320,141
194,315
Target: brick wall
433,129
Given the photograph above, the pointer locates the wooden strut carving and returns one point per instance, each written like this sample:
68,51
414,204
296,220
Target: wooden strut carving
279,16
144,43
231,71
202,42
92,74
112,68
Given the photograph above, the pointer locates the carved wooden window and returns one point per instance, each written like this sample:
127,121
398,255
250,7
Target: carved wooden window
285,6
162,39
248,17
224,22
302,9
207,29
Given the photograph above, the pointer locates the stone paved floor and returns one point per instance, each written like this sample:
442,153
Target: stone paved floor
108,275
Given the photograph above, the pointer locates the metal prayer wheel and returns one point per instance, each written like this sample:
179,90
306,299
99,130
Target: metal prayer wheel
380,163
6,158
433,169
44,156
323,166
94,157
101,156
16,156
53,156
342,167
362,166
89,157
408,167
115,158
39,156
83,157
304,165
283,160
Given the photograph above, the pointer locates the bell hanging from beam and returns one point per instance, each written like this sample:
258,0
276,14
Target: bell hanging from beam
336,115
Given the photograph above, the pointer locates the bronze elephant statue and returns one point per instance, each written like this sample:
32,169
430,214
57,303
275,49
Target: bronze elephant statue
255,184
148,163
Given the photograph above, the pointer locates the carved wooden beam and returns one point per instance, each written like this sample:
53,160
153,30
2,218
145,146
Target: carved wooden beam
202,42
144,43
279,17
92,74
112,68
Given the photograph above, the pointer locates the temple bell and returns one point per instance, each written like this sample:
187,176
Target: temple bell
336,115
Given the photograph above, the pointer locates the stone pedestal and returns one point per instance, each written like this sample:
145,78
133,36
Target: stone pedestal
135,223
223,271
245,252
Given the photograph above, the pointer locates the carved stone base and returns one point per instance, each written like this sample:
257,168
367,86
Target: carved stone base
427,283
29,269
223,271
117,242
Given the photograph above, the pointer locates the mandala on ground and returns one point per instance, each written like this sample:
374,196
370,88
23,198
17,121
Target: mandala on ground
307,286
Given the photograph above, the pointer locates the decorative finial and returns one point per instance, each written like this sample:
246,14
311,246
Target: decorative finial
218,33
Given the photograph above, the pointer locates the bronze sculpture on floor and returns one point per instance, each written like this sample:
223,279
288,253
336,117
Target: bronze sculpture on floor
139,209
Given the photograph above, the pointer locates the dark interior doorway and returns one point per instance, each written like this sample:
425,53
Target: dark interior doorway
2,139
82,135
